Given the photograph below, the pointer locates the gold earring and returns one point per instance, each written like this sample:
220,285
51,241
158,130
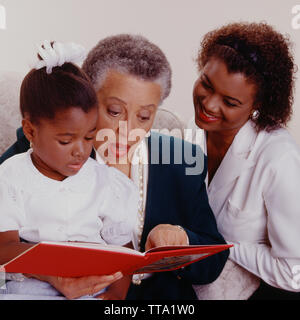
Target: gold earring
31,144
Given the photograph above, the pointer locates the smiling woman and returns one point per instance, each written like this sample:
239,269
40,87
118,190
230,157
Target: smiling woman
222,98
223,103
243,99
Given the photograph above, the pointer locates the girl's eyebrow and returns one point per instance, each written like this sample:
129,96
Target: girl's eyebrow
228,97
65,134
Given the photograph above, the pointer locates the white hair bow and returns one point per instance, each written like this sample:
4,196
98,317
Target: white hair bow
58,54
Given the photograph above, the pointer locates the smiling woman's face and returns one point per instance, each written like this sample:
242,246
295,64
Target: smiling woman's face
126,103
223,101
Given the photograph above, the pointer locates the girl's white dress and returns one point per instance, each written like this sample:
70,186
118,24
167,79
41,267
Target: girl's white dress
98,204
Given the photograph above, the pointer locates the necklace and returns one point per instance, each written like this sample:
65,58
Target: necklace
137,278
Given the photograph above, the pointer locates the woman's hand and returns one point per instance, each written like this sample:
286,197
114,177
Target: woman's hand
73,288
166,234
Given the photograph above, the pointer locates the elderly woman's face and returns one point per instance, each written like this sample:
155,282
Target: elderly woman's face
223,101
127,108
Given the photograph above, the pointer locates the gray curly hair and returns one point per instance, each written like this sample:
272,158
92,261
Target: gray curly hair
129,54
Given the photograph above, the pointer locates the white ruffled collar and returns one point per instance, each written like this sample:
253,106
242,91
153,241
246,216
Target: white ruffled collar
79,183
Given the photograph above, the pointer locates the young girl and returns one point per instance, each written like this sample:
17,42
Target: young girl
55,192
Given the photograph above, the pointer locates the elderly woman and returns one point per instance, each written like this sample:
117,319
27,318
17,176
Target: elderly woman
243,100
132,77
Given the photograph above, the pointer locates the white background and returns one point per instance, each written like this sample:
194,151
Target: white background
176,26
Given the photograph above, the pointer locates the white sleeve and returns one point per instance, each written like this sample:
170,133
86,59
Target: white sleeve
11,215
120,211
279,263
258,259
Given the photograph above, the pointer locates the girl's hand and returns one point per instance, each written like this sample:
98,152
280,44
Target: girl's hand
166,234
118,290
73,288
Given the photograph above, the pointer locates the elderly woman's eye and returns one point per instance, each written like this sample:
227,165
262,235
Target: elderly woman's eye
144,116
113,111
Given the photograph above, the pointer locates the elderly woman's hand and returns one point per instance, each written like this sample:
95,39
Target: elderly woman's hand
166,234
73,288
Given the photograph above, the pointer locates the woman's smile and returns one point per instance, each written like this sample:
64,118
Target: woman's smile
205,116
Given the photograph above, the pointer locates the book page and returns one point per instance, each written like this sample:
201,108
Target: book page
167,263
177,247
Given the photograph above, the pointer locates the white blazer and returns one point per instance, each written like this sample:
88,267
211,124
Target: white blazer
255,196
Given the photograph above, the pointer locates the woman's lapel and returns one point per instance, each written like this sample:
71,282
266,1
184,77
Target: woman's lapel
237,158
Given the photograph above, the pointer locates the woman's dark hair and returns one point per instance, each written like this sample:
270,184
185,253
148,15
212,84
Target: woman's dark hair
42,94
263,55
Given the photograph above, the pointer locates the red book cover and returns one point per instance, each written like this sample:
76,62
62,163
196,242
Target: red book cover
75,259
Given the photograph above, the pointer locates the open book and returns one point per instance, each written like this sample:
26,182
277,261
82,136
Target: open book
75,259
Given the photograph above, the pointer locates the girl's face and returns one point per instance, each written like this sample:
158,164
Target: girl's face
223,101
62,145
127,108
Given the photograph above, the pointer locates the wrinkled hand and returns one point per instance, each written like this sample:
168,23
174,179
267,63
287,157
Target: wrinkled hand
164,235
73,288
